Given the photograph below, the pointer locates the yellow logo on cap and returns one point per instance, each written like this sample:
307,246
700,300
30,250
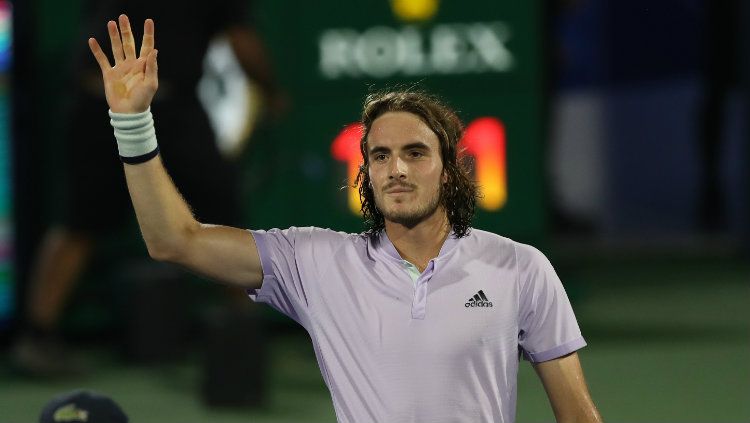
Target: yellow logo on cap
70,413
414,10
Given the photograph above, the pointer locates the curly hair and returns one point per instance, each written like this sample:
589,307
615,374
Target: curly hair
458,195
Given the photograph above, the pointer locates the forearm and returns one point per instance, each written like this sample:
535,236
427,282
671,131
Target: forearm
584,414
567,391
572,403
163,215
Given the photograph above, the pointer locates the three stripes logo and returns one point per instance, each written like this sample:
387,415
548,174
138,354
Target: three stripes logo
478,300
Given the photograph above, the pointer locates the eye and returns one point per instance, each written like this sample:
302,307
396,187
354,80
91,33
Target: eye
379,157
415,154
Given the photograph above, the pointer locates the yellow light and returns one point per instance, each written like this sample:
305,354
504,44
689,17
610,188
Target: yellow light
414,10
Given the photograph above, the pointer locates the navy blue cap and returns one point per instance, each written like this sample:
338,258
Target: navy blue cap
82,406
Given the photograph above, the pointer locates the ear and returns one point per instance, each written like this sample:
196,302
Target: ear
445,176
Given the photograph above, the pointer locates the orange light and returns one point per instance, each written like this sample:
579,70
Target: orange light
345,148
484,139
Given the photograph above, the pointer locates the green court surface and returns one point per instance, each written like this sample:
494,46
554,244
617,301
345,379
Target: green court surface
669,341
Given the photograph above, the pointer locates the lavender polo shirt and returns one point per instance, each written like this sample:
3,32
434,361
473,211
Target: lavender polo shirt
443,348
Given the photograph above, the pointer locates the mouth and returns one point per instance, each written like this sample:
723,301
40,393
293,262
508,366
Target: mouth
399,190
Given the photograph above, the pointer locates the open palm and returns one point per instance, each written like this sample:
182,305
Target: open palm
131,83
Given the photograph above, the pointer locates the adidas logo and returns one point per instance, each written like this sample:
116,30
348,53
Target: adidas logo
478,300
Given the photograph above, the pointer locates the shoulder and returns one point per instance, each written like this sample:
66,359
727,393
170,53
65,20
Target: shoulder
312,236
480,240
534,268
484,242
326,234
529,255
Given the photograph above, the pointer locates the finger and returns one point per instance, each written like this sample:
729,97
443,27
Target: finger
101,58
148,38
128,42
114,39
152,68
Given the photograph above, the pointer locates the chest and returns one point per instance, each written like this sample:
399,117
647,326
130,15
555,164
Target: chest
455,310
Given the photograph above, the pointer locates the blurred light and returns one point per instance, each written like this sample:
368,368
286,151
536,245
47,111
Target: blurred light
6,229
414,10
6,32
345,148
484,140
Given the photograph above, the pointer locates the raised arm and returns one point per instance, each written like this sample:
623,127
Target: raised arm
169,229
567,391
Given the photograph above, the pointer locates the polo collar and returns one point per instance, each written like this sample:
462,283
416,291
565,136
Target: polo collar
385,245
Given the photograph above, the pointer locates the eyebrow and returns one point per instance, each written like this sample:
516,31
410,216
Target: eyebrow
414,145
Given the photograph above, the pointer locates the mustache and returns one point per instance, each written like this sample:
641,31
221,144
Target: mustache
399,185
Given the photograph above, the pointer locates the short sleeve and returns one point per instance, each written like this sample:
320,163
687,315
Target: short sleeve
291,259
547,325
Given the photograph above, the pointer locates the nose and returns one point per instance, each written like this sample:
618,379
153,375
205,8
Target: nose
398,169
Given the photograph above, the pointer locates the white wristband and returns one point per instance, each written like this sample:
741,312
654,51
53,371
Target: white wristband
136,138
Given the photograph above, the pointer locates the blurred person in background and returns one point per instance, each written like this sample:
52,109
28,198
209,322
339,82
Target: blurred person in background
721,75
98,203
391,347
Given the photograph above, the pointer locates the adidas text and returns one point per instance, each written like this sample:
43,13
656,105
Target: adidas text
478,304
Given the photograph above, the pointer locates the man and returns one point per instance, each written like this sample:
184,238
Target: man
421,318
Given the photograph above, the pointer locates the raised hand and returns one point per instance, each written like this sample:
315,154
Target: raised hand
131,83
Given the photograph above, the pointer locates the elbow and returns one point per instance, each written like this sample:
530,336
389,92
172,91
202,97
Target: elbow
172,249
161,253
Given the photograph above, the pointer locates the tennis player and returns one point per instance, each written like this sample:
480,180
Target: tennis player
419,319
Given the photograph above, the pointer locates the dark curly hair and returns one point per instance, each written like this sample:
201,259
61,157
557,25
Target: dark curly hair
459,194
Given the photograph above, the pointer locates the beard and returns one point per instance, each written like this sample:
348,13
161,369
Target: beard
410,218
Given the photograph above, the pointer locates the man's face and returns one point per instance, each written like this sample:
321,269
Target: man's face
405,167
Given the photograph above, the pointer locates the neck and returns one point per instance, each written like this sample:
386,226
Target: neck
421,243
